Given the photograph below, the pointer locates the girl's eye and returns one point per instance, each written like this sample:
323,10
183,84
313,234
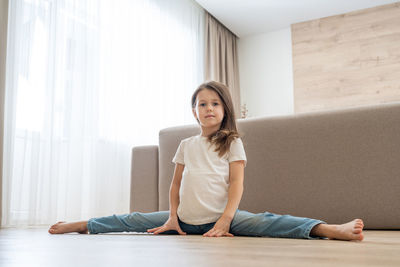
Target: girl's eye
215,104
202,105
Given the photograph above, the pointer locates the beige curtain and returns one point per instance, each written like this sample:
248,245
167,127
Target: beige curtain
3,50
221,60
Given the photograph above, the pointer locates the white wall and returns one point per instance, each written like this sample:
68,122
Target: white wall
266,73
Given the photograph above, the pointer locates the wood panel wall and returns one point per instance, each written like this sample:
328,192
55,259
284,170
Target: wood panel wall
347,60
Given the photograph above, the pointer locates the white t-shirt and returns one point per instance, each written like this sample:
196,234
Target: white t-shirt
205,180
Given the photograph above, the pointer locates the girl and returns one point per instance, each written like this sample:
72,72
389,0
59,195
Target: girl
207,187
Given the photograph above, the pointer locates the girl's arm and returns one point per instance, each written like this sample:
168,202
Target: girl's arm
172,222
235,192
236,177
174,190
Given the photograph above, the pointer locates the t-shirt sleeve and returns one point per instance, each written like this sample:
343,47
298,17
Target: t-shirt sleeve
237,152
179,155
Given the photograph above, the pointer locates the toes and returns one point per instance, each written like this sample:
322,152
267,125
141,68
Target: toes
56,224
361,237
359,221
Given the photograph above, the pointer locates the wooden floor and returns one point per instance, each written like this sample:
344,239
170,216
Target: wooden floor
35,247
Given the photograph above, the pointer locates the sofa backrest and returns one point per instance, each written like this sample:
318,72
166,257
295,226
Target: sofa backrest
169,140
334,166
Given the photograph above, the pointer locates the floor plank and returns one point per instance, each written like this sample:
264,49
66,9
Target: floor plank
35,247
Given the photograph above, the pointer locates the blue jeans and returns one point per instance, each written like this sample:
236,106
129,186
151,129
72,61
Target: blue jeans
243,224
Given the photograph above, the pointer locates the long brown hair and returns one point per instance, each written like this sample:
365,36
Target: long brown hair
228,130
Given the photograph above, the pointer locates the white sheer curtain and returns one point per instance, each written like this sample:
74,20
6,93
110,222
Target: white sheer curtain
86,81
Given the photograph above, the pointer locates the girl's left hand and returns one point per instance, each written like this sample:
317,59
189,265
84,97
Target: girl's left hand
221,228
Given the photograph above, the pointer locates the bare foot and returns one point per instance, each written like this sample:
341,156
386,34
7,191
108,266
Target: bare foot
64,227
348,231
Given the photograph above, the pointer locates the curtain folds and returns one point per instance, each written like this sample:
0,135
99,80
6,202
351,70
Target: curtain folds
3,50
221,59
86,81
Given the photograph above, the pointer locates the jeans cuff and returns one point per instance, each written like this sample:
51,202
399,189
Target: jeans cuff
307,231
89,227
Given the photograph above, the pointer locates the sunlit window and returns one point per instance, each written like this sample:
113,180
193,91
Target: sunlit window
87,80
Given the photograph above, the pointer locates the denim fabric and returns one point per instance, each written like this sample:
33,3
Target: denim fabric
243,224
268,224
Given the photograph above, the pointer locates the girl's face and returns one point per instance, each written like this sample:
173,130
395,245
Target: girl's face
209,111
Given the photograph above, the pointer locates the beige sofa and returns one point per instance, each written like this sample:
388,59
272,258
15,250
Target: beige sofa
333,166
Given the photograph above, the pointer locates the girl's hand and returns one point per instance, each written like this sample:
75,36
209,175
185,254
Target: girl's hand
171,224
221,228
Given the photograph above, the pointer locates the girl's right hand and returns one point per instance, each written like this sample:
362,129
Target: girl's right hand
171,224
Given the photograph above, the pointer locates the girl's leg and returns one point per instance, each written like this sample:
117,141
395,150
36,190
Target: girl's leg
133,222
273,225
